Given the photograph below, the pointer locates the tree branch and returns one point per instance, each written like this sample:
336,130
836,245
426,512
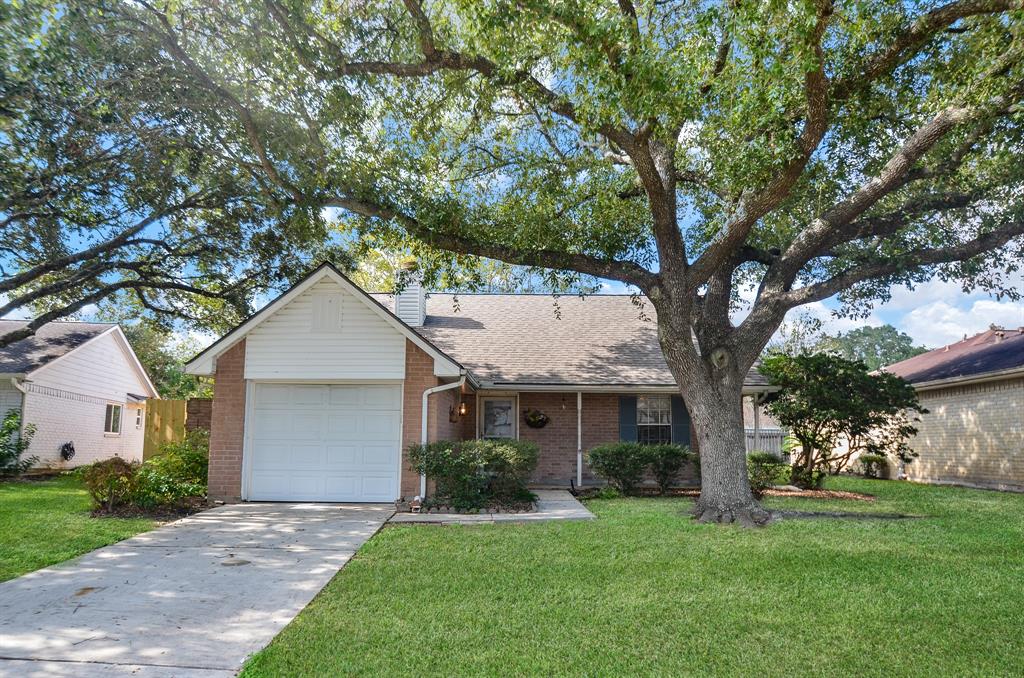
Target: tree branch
625,271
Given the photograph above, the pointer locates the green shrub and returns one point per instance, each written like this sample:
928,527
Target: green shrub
621,464
665,463
13,443
764,470
178,472
607,492
873,465
473,473
111,482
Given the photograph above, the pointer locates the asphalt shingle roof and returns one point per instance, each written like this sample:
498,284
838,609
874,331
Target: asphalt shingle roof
598,340
993,350
51,341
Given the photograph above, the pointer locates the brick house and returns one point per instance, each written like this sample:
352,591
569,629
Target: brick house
317,396
973,433
79,383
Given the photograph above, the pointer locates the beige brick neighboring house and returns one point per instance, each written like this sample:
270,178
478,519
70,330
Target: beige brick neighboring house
318,396
973,433
77,383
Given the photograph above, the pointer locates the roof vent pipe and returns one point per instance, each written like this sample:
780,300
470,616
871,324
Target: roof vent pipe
410,297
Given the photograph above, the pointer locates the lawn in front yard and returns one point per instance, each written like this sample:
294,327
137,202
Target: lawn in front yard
644,590
43,522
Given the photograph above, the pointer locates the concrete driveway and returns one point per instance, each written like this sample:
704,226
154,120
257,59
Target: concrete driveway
193,598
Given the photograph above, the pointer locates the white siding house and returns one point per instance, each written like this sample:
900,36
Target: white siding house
79,383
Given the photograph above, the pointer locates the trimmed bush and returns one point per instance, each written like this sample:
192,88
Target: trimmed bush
111,483
474,473
177,473
873,465
13,443
764,470
665,463
621,464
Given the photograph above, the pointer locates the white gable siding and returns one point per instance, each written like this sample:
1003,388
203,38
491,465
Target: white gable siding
99,368
67,400
10,398
325,333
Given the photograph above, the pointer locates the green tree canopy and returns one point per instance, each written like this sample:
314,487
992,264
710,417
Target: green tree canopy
824,400
809,149
876,347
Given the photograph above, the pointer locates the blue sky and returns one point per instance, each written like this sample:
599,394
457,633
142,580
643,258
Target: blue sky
934,314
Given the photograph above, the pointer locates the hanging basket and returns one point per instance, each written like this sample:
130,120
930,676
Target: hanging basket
536,418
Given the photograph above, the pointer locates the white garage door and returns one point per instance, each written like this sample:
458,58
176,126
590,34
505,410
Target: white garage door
312,442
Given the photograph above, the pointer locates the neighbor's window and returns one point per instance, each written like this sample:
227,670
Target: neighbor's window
654,419
138,418
112,423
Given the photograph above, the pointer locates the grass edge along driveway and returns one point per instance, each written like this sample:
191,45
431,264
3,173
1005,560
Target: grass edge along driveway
44,522
644,590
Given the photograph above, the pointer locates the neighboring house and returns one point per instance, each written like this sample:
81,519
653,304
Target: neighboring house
79,383
973,433
763,432
318,394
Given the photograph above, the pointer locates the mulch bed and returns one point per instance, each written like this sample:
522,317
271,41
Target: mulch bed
160,513
820,494
495,507
695,492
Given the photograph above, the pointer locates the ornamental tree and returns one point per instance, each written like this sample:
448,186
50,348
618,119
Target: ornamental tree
805,149
824,400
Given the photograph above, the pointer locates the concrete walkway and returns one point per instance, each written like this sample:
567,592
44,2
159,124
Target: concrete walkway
551,505
191,599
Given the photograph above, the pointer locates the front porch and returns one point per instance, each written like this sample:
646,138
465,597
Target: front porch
566,423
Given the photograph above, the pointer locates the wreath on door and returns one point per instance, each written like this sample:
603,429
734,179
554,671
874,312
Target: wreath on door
535,418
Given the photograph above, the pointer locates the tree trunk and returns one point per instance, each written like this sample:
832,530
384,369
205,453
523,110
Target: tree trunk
716,417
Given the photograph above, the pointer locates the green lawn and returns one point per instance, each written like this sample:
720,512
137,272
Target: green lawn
643,590
46,522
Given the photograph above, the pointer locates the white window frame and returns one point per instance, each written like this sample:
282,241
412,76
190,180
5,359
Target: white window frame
661,413
108,419
482,408
138,418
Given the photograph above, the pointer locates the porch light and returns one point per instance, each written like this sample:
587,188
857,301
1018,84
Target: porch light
463,409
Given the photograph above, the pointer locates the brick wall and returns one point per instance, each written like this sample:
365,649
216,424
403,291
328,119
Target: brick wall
557,462
972,435
198,414
227,425
419,376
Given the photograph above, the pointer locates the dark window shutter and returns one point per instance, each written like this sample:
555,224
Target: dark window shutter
680,422
627,418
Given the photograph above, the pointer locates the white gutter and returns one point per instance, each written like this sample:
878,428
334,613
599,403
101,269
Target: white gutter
579,438
614,388
423,424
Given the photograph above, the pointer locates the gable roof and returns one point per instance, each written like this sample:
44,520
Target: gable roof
994,350
51,341
538,340
205,361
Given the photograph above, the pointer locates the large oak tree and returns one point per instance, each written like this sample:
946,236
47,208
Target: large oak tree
806,148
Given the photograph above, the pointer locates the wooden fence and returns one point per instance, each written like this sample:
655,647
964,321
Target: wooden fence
165,423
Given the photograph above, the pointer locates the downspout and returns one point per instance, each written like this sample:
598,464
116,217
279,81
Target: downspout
579,438
423,424
19,386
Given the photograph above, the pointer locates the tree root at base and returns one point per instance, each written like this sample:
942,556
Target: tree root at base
744,515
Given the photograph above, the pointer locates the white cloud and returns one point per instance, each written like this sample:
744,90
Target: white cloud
940,323
904,298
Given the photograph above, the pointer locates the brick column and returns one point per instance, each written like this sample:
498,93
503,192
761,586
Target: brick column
227,425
